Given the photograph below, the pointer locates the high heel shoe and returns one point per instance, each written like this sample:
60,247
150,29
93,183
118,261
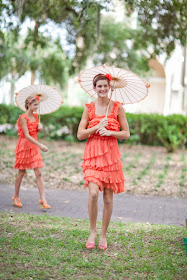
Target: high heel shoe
44,205
90,245
17,202
102,247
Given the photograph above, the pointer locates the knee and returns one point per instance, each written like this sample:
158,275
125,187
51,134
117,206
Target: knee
21,172
108,199
93,196
38,174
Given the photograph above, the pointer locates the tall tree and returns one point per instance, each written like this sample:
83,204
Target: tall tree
13,60
118,47
33,51
51,63
54,66
163,23
78,18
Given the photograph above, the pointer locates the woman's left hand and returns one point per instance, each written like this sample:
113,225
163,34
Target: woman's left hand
104,132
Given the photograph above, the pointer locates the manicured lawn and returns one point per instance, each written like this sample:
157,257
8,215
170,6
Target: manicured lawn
45,247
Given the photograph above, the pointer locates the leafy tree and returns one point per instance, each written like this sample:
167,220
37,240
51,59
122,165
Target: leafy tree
13,60
116,47
163,23
79,18
54,66
34,52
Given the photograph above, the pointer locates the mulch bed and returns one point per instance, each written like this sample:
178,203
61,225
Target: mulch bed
148,170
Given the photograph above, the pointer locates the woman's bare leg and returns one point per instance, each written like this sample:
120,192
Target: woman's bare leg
107,213
93,210
39,182
18,181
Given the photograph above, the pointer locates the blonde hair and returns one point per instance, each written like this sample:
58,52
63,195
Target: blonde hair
27,101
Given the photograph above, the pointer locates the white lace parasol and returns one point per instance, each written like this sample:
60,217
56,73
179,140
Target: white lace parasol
126,86
50,98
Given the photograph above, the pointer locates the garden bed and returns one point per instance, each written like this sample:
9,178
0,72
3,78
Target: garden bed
148,170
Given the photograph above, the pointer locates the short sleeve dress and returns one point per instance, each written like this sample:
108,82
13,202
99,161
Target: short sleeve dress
27,154
101,159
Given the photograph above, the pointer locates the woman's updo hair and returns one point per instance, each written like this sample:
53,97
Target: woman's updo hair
28,101
99,77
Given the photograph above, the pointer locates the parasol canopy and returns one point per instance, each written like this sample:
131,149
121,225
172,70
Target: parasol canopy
126,86
50,98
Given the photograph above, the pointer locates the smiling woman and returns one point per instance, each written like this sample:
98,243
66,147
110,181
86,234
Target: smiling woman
101,160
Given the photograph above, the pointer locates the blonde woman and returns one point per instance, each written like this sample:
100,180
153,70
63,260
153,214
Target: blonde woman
27,151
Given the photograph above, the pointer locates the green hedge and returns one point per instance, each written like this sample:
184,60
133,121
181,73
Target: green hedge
148,129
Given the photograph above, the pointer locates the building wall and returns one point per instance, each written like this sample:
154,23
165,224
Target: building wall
155,101
175,97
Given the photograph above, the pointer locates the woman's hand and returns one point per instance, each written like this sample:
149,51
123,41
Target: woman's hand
103,123
40,127
104,132
43,148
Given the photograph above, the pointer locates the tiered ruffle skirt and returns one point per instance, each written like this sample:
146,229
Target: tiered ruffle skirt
102,165
27,155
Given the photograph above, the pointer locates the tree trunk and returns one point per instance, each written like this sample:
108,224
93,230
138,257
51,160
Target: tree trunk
98,24
184,75
35,43
12,88
32,77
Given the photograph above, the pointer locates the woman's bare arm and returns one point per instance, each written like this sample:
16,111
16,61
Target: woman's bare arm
23,123
83,131
124,133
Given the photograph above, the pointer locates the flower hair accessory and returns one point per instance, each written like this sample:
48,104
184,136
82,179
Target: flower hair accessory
36,97
108,76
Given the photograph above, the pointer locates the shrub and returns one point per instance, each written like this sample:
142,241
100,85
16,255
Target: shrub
148,129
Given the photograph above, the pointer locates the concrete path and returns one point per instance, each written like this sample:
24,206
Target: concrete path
127,208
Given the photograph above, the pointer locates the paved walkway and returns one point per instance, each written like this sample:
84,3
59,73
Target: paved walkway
127,208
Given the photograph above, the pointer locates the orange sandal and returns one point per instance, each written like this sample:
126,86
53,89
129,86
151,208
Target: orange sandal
44,205
17,202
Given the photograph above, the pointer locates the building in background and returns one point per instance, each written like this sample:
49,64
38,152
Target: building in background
168,91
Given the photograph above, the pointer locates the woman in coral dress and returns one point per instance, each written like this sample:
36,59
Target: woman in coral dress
27,151
101,161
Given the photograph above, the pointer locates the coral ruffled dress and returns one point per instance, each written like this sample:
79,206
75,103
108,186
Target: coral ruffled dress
101,159
27,154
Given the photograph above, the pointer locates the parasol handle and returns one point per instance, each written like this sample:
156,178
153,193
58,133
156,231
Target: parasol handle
112,89
39,112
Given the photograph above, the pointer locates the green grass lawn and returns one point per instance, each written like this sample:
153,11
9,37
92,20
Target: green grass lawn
45,247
